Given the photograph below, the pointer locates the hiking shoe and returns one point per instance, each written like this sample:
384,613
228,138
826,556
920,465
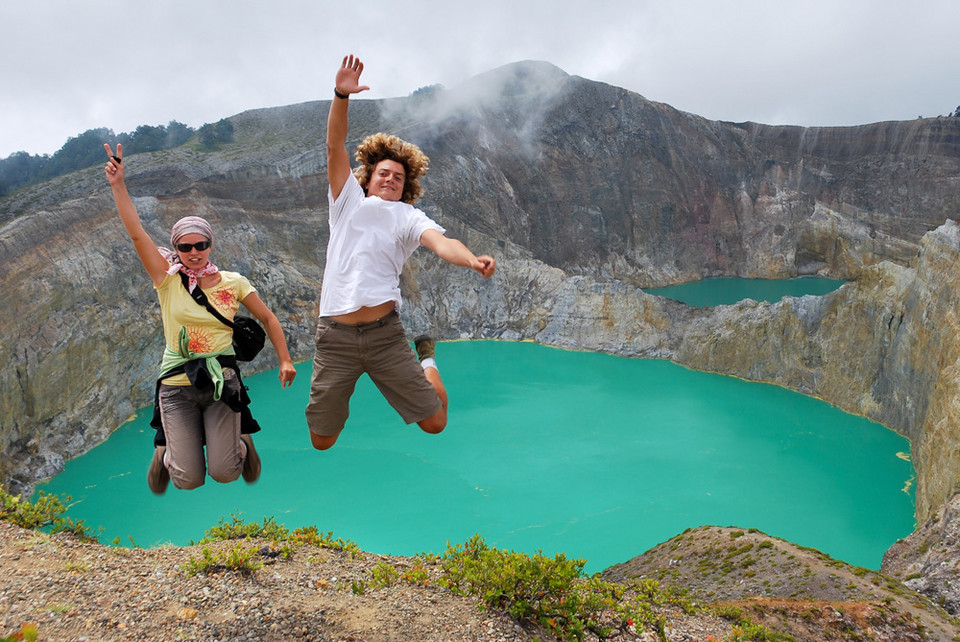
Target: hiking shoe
426,346
157,475
251,465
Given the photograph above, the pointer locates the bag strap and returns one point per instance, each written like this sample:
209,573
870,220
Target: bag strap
201,299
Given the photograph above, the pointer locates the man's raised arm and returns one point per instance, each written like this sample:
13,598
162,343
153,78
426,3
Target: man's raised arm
338,158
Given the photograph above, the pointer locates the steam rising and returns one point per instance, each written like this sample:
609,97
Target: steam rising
522,92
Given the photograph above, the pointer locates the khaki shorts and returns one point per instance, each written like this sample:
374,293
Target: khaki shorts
380,348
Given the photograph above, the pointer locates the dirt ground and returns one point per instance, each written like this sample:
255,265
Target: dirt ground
74,590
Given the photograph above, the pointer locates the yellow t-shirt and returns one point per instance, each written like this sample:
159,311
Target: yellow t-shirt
207,334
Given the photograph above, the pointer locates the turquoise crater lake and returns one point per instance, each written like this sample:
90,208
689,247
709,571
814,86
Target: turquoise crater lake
728,290
596,456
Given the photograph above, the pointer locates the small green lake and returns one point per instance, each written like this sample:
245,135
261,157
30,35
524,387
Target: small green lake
597,456
727,291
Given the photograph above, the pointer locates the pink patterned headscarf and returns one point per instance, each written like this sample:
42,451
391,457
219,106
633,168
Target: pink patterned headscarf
188,225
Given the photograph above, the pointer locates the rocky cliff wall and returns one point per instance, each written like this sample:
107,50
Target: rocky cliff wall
585,192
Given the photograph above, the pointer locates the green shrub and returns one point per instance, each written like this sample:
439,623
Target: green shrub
383,575
551,592
238,559
416,575
27,633
237,528
311,536
744,630
46,513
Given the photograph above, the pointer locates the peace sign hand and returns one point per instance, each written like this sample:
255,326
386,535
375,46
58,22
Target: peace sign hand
114,168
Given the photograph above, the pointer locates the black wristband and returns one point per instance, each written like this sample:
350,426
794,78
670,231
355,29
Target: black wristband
336,92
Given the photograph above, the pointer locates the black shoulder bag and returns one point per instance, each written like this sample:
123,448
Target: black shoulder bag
248,335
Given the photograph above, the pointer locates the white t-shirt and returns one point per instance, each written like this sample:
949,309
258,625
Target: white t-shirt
370,239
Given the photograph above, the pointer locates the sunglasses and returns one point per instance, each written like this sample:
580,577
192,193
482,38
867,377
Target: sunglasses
186,247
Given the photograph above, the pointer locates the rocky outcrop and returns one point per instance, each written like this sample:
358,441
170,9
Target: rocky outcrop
585,192
926,561
794,589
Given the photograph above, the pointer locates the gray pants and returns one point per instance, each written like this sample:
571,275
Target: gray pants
190,418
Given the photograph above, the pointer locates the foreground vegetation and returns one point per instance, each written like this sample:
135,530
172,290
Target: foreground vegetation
550,594
47,514
533,589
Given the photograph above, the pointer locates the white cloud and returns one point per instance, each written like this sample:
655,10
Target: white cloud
70,66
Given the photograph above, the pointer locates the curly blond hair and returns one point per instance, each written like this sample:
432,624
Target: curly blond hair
378,147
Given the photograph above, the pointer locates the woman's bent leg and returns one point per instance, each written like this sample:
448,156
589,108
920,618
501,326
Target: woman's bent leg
182,418
225,453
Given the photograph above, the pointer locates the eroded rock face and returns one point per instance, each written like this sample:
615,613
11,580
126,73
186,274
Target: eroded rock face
884,346
585,192
926,560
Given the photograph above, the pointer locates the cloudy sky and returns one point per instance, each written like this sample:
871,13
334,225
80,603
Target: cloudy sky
71,65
